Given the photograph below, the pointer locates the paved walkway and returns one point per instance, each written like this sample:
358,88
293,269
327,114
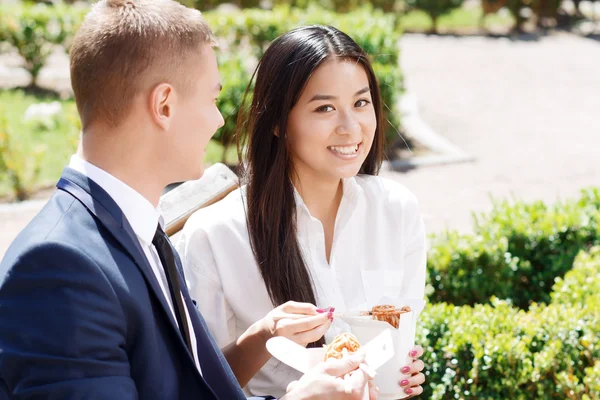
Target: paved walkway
529,111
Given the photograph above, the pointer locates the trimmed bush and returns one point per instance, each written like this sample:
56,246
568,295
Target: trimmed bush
516,252
206,5
341,6
496,351
234,78
435,9
592,382
372,29
35,29
516,8
581,283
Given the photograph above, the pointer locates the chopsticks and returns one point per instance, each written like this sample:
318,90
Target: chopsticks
366,313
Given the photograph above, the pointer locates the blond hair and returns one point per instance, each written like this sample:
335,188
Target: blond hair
125,47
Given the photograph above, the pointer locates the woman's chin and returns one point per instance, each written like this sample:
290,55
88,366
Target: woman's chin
348,171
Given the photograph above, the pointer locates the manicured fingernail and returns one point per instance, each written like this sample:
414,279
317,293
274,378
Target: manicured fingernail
332,309
321,311
413,353
404,383
405,370
408,391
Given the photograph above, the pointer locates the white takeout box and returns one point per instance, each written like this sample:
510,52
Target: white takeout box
378,351
403,339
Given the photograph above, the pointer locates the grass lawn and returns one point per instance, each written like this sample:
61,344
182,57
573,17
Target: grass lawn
458,20
43,144
48,143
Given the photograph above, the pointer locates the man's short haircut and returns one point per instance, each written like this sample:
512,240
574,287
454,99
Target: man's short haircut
126,47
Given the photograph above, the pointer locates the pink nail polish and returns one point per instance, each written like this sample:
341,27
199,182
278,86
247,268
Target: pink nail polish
413,353
320,310
332,309
408,391
405,370
404,383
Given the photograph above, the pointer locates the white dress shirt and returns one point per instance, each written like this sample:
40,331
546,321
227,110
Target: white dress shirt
378,249
143,218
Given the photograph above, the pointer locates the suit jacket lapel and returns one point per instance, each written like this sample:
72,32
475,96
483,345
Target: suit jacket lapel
215,368
101,205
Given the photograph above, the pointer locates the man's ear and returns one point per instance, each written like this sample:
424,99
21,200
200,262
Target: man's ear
162,103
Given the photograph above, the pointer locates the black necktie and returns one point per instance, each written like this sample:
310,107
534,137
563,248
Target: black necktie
165,252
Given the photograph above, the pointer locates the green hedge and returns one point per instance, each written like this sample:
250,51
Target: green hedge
234,78
373,29
496,351
336,5
581,283
515,253
526,253
592,381
35,28
434,9
499,352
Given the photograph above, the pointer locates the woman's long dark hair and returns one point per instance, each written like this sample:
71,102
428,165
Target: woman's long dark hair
281,76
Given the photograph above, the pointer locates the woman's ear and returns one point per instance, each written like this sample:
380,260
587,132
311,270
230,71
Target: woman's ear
276,131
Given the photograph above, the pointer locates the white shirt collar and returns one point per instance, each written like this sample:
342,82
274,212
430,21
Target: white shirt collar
141,214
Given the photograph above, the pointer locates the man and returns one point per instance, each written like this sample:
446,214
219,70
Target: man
93,302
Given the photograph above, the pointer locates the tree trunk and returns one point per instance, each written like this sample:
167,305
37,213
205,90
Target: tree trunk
434,24
20,191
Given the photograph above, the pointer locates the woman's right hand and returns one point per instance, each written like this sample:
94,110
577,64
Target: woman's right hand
302,323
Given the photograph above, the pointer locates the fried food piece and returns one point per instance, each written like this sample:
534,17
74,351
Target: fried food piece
389,314
342,345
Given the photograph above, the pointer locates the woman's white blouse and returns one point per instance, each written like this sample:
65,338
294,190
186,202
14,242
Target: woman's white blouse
378,250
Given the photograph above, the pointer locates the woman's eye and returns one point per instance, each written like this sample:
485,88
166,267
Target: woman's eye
324,109
362,103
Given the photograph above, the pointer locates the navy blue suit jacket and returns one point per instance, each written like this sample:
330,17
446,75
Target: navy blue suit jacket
82,315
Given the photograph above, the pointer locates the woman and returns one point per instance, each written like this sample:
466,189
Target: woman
314,223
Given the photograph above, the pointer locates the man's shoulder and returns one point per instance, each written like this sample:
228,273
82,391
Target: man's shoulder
63,228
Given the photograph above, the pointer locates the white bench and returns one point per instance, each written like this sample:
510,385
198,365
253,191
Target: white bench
180,203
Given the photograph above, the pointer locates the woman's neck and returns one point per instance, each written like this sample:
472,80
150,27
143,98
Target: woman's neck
322,197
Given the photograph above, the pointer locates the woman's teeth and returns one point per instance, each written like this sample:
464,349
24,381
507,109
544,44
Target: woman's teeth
345,150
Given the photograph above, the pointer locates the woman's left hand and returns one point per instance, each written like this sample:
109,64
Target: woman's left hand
412,384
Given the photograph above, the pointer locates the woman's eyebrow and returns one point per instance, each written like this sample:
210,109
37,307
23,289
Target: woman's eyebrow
317,97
